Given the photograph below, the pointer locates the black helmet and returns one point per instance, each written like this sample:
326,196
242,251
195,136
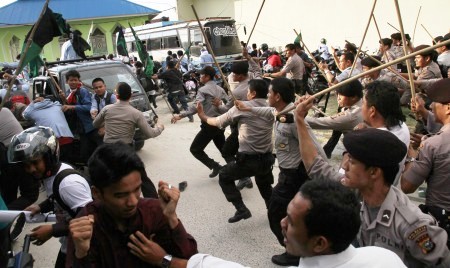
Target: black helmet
32,143
264,46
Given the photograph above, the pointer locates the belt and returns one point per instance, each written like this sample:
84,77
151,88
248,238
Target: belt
254,156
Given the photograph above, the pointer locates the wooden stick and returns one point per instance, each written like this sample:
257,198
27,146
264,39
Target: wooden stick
389,68
428,32
393,27
364,37
24,54
415,25
64,100
257,17
315,108
312,57
408,63
228,61
379,34
353,78
212,53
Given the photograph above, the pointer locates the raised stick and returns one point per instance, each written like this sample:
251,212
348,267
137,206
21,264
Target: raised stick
415,25
393,27
408,64
428,32
212,53
364,37
346,81
257,17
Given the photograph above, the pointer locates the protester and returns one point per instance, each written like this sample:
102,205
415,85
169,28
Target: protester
118,227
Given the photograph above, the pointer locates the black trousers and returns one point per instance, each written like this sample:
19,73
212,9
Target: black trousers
258,165
88,143
231,146
202,139
289,182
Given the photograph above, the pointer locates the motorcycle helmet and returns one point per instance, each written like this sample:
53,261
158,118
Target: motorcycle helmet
264,46
33,143
323,41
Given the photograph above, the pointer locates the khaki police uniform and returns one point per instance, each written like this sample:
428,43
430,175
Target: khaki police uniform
344,121
401,227
433,166
388,77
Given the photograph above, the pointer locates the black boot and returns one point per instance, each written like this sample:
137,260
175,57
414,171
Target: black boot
242,212
286,259
245,182
215,170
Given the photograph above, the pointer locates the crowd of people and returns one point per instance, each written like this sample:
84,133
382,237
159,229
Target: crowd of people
356,216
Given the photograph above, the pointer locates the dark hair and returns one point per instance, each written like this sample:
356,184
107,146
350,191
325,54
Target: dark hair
334,212
284,87
396,36
386,42
98,79
123,90
180,53
350,47
240,67
254,46
138,64
170,64
349,56
110,56
385,98
290,46
169,52
111,162
260,87
389,174
72,73
352,89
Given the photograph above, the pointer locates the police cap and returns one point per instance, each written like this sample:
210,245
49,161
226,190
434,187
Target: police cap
375,147
440,91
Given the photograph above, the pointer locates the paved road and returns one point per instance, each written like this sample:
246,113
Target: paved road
202,208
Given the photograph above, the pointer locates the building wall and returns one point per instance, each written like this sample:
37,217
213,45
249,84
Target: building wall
335,20
52,50
205,8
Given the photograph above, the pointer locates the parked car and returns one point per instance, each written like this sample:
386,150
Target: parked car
110,71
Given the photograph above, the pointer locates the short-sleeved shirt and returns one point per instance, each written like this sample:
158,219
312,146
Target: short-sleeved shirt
430,71
295,67
401,227
433,166
9,126
255,132
346,74
344,121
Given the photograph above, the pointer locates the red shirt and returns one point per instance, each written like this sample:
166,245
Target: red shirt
275,61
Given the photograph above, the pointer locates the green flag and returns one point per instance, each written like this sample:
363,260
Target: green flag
298,38
143,55
121,44
51,25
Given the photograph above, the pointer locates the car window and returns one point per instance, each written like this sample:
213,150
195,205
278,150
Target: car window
111,75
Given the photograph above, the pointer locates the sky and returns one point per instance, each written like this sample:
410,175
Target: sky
168,5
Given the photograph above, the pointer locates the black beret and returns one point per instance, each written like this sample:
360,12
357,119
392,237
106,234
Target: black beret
352,89
208,70
440,91
423,47
375,147
369,62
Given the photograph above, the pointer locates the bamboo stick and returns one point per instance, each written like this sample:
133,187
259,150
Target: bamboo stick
257,17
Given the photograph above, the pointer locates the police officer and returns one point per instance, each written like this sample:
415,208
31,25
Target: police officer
292,171
389,218
431,163
254,157
349,98
206,95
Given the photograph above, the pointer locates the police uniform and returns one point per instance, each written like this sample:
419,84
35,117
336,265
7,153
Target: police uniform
344,121
388,77
433,166
401,227
254,157
292,171
295,68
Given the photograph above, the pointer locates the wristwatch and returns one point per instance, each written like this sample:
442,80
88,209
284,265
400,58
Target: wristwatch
166,261
410,159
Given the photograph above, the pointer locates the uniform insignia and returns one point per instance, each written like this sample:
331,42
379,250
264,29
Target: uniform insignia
386,216
425,243
282,145
417,232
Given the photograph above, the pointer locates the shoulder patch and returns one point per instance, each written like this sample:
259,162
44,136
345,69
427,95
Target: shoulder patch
417,232
425,243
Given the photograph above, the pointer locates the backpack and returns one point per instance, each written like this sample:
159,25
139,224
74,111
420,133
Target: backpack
107,100
57,197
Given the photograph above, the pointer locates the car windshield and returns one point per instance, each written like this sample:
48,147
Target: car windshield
111,75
